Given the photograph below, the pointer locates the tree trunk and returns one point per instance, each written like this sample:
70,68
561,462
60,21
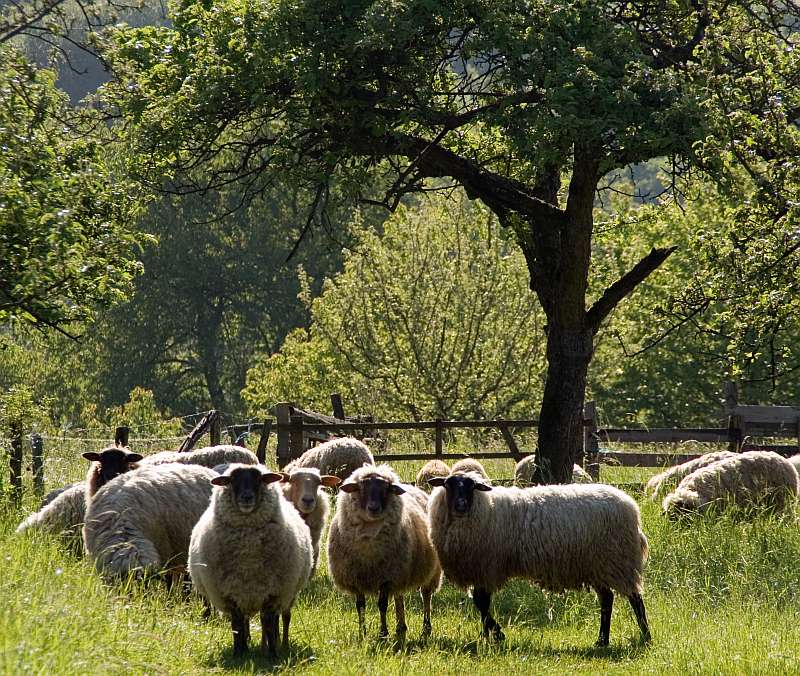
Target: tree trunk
209,324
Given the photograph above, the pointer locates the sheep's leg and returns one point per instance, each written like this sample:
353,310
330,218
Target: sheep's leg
427,593
400,614
606,597
269,632
206,608
287,618
383,605
641,617
361,605
241,631
482,600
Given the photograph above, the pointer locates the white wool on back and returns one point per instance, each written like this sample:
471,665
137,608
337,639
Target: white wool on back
664,482
339,457
523,472
63,516
210,456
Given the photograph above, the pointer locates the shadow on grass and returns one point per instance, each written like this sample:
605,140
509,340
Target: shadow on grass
296,656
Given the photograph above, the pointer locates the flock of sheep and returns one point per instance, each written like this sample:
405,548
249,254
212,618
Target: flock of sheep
250,538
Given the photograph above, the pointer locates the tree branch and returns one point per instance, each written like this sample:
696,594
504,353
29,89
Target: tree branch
614,294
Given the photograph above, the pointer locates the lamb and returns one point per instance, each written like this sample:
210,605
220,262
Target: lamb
140,523
431,469
666,481
379,544
210,456
561,537
470,465
755,480
523,472
64,513
303,488
251,552
340,457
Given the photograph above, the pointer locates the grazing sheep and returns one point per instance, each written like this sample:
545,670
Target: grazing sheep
303,488
470,465
379,544
107,464
761,480
52,495
431,469
666,481
561,537
251,552
140,523
211,456
340,457
523,472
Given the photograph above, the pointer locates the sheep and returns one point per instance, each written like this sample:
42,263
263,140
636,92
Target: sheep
339,457
303,489
52,495
561,537
795,460
664,482
141,522
210,456
251,552
523,472
470,465
756,479
379,544
64,512
431,469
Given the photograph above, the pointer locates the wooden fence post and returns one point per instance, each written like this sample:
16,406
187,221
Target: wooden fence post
261,453
15,461
283,454
198,431
591,446
337,406
735,421
297,444
121,435
215,430
37,462
439,440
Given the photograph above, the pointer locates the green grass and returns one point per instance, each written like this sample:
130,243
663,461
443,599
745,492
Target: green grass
723,597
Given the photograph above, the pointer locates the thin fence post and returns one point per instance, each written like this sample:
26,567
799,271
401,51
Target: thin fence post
215,430
283,453
296,440
15,461
261,453
121,435
439,441
37,462
591,446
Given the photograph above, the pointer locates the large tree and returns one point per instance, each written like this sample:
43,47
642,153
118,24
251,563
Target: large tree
527,105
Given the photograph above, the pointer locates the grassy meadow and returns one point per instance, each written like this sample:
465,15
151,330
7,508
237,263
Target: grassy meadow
722,597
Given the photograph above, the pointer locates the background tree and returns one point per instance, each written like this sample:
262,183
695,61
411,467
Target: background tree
428,319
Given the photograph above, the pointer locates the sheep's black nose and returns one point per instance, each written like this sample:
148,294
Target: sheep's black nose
460,506
373,508
308,501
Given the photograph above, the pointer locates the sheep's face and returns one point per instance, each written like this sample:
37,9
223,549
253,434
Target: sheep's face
112,462
303,485
374,494
246,486
460,490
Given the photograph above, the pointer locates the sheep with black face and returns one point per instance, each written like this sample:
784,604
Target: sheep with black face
251,552
106,465
561,537
379,544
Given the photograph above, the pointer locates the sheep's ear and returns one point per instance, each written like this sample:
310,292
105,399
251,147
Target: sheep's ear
134,457
221,481
329,480
91,456
482,487
349,487
271,477
436,481
397,490
284,476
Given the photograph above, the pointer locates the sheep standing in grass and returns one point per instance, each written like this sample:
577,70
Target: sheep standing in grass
379,544
431,469
664,482
525,468
140,523
339,457
470,465
303,488
561,537
756,480
251,553
211,456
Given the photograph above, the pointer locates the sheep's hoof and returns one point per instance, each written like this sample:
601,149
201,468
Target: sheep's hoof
427,630
601,643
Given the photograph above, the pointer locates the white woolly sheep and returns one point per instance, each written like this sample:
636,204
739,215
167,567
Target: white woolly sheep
140,523
756,481
470,465
251,552
210,456
379,544
664,482
339,457
429,470
523,472
561,537
303,488
795,460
